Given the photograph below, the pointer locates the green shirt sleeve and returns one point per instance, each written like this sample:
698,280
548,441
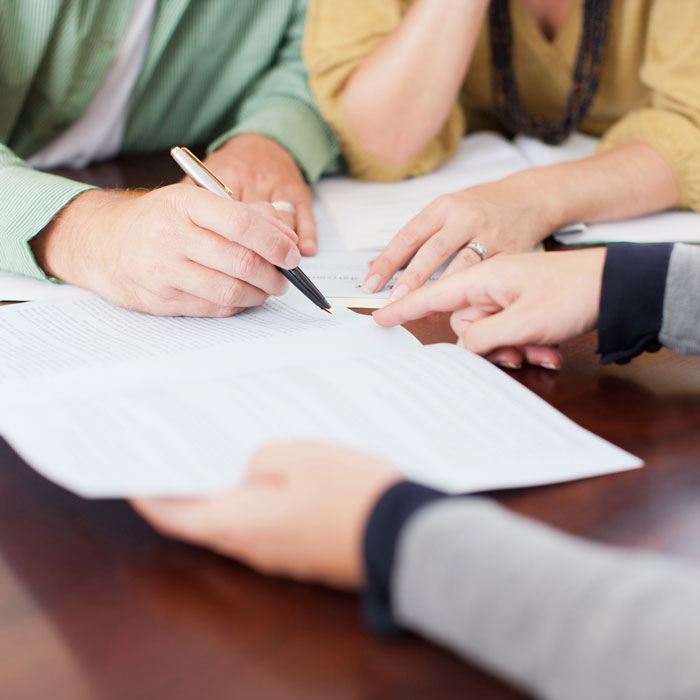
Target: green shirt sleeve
280,106
30,200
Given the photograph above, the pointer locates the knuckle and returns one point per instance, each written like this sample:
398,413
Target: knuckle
174,195
178,199
437,247
301,196
408,238
246,264
267,181
382,266
239,220
280,246
266,209
510,296
231,294
445,203
226,311
411,278
467,256
165,292
477,217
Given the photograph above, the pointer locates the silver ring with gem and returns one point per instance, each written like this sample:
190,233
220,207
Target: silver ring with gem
479,249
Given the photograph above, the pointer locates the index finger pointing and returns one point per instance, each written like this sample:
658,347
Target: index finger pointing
444,295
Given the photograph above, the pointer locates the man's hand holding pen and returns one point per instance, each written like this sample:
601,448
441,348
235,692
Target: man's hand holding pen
174,251
202,176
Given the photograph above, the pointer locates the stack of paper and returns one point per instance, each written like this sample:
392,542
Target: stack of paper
113,403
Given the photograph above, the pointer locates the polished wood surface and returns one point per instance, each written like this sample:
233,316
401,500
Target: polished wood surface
94,604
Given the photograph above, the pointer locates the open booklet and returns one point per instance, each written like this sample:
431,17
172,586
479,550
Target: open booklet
111,403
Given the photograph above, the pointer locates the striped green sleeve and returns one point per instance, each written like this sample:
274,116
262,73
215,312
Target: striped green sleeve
280,106
30,200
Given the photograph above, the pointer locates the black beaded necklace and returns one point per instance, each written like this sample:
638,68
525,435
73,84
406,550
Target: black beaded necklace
508,103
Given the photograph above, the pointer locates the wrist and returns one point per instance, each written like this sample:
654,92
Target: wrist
632,300
62,248
248,140
540,189
396,505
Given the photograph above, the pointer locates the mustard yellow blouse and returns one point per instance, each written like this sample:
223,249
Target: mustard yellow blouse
649,88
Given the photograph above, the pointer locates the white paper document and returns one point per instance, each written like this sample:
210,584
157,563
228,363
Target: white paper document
665,227
112,403
339,272
539,154
339,275
367,215
19,288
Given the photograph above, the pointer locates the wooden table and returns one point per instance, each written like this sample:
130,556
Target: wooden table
94,604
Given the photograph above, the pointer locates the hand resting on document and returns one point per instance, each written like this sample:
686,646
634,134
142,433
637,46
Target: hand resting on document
513,308
499,215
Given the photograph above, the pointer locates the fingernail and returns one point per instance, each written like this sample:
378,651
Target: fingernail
549,365
460,343
293,258
508,365
399,292
371,284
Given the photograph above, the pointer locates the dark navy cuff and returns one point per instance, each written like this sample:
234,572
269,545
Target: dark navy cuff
384,526
632,300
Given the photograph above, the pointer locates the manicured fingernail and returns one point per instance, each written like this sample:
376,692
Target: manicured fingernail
508,365
399,292
371,284
549,365
293,258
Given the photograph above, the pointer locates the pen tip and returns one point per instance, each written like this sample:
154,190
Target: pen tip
330,311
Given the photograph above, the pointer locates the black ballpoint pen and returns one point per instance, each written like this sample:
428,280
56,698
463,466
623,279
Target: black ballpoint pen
202,176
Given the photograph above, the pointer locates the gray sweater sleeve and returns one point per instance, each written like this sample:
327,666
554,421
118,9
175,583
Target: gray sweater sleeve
555,615
680,329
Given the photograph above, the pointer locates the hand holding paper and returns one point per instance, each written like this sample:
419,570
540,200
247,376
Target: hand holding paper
291,493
